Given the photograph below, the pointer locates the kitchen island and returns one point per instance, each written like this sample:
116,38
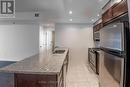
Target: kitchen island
41,70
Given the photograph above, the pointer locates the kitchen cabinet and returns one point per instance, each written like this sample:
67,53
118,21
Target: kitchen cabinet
107,16
34,80
63,73
97,27
43,80
48,70
115,11
120,8
96,34
65,69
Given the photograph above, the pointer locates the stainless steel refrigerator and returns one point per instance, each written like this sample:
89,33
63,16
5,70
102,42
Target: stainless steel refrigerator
115,59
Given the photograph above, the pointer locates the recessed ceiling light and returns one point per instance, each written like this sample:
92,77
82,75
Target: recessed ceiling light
70,20
98,15
117,1
92,20
70,12
100,0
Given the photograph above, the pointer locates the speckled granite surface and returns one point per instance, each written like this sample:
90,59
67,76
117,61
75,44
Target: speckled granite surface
42,63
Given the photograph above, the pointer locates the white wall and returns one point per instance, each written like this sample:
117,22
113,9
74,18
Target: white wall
18,41
77,37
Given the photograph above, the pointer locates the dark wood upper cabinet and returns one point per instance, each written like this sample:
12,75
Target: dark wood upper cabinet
120,8
97,27
96,30
115,11
107,16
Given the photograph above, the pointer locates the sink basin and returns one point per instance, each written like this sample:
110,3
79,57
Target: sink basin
58,51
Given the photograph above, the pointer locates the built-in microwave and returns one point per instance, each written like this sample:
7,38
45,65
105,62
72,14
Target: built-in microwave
96,36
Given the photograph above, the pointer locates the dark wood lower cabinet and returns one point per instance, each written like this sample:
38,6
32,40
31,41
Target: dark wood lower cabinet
43,80
34,80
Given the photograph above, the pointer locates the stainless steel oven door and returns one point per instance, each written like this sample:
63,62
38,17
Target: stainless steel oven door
93,58
111,70
96,36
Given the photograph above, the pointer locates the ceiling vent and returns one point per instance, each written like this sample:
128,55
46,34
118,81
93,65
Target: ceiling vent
36,14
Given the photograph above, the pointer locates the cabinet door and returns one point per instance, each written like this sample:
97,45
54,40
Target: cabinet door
94,28
97,27
52,81
64,74
60,78
120,8
42,81
107,16
25,81
67,58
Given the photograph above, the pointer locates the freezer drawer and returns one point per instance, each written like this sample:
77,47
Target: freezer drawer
111,71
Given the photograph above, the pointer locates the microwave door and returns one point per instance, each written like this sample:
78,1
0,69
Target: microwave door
96,36
112,36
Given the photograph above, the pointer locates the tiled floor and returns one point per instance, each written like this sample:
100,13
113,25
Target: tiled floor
80,75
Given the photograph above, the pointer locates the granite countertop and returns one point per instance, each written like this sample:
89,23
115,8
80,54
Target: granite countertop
42,63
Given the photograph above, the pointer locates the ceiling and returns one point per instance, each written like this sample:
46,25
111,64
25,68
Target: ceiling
57,11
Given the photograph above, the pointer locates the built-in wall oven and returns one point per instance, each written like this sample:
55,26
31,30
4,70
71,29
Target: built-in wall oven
114,42
96,36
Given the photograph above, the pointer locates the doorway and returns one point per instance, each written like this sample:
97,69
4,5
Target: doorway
46,37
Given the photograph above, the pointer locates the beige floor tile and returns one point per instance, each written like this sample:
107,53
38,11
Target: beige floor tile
81,75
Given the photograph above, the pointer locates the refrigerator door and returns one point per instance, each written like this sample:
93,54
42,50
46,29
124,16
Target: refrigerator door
111,71
112,36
